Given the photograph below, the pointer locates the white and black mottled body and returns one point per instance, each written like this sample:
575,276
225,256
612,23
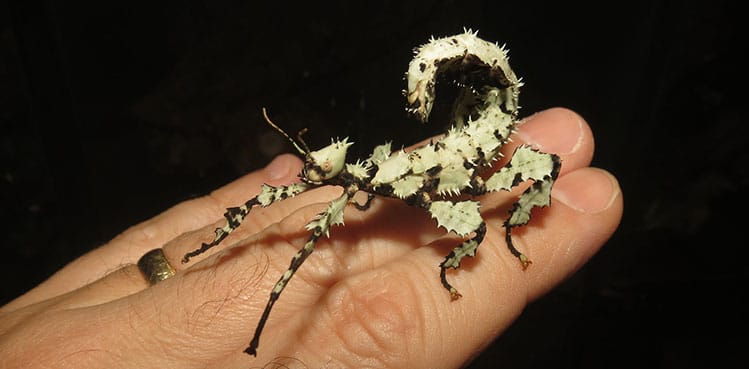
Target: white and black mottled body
431,175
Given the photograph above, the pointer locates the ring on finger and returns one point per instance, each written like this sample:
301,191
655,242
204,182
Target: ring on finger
155,267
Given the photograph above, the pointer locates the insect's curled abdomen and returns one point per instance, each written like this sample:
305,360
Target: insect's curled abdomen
457,56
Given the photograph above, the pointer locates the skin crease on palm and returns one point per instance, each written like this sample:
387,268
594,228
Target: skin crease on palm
369,296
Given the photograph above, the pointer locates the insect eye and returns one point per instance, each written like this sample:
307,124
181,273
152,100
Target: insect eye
326,167
312,173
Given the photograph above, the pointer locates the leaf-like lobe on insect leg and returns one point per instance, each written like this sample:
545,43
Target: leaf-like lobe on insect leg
462,217
333,215
526,163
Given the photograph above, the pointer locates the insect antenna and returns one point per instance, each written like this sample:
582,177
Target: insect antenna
304,151
299,137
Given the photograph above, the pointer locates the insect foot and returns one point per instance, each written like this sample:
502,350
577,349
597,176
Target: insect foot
431,176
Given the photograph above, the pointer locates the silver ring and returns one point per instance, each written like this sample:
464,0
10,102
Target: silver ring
155,267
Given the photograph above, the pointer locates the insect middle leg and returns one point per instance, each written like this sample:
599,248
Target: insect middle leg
526,163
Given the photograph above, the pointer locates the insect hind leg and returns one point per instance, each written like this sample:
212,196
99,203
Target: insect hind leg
526,163
452,260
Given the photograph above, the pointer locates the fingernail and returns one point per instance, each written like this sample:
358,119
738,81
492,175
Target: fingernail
588,191
555,130
277,169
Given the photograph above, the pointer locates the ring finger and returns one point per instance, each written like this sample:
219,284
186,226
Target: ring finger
113,265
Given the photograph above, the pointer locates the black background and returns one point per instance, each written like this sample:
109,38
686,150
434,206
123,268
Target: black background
111,112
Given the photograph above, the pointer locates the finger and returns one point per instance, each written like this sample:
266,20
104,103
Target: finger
121,282
127,247
197,213
558,131
591,206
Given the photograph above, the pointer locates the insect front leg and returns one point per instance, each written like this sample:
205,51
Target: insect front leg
319,226
526,163
235,215
462,218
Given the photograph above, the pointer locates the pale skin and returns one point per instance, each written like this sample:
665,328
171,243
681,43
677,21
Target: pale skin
369,296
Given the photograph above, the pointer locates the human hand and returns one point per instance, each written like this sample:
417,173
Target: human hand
369,296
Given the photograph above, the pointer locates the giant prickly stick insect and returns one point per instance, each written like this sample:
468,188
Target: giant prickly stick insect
429,177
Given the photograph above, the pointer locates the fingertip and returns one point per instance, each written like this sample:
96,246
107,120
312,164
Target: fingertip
560,131
282,169
595,205
587,191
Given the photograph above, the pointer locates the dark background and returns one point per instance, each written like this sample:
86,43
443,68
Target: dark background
111,112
